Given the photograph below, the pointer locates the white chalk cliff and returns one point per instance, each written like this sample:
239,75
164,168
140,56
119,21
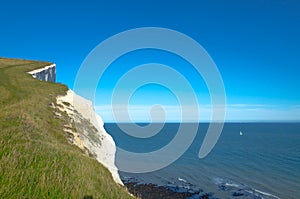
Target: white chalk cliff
48,73
85,128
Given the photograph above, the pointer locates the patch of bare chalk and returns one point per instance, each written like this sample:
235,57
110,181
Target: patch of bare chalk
87,131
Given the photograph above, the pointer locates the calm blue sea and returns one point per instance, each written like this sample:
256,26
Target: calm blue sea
263,162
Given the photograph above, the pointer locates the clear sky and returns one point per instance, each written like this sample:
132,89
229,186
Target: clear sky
255,45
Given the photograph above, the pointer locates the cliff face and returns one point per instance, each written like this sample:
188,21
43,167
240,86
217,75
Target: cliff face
48,73
84,127
85,130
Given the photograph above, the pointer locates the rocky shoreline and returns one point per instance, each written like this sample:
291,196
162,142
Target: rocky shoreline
153,191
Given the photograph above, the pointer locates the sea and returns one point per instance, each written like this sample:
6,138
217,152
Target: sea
250,160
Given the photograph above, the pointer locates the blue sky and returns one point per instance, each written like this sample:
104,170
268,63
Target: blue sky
255,45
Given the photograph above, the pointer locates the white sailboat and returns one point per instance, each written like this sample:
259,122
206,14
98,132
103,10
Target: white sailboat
241,133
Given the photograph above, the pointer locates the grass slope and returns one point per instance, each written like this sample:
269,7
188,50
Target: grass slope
36,161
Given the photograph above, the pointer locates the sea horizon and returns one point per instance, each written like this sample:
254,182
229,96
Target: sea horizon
262,162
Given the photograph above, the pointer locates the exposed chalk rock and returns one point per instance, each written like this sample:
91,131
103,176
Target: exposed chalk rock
89,132
48,73
86,127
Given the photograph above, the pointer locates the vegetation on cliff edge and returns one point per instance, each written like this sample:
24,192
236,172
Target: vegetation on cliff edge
36,160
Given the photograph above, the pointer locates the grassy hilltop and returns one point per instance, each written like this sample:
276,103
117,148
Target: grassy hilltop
36,161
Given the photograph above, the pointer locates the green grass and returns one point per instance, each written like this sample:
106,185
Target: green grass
36,161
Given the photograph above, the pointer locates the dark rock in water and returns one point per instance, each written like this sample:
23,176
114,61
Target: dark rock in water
224,188
152,191
235,194
169,191
206,196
